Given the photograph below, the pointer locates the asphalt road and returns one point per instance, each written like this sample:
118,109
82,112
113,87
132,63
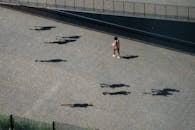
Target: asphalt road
54,73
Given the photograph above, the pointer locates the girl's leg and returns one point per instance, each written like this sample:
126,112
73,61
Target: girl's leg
114,53
118,51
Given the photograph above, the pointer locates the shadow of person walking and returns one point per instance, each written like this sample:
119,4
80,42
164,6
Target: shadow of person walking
84,105
64,40
60,42
104,85
42,28
164,92
52,60
117,93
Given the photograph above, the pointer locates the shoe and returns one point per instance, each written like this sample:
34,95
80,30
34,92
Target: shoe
118,57
113,55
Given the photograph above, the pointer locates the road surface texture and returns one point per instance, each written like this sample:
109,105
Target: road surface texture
55,71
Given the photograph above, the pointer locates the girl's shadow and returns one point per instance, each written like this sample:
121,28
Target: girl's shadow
129,57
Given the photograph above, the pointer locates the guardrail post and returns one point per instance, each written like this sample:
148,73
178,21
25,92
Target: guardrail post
93,5
53,125
144,9
103,5
113,6
74,4
123,7
11,122
155,9
84,4
133,8
166,11
188,13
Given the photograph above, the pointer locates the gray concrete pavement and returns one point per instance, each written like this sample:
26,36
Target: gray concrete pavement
37,90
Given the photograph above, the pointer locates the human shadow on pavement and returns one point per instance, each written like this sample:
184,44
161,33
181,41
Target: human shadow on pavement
117,93
129,57
52,60
42,28
104,85
60,42
71,37
84,105
64,39
164,92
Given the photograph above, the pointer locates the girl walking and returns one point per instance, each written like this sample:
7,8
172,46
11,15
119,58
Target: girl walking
116,48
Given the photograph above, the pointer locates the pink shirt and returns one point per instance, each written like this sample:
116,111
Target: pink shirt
115,44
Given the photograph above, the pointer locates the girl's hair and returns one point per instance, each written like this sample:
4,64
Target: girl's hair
115,38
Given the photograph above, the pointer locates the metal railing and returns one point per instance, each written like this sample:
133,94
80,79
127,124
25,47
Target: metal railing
18,123
114,7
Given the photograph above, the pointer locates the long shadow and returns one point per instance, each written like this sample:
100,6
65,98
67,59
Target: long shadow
53,60
64,39
104,85
84,105
70,37
42,28
60,42
117,93
129,57
164,92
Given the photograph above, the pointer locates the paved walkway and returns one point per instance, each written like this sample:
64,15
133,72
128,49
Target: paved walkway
151,88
